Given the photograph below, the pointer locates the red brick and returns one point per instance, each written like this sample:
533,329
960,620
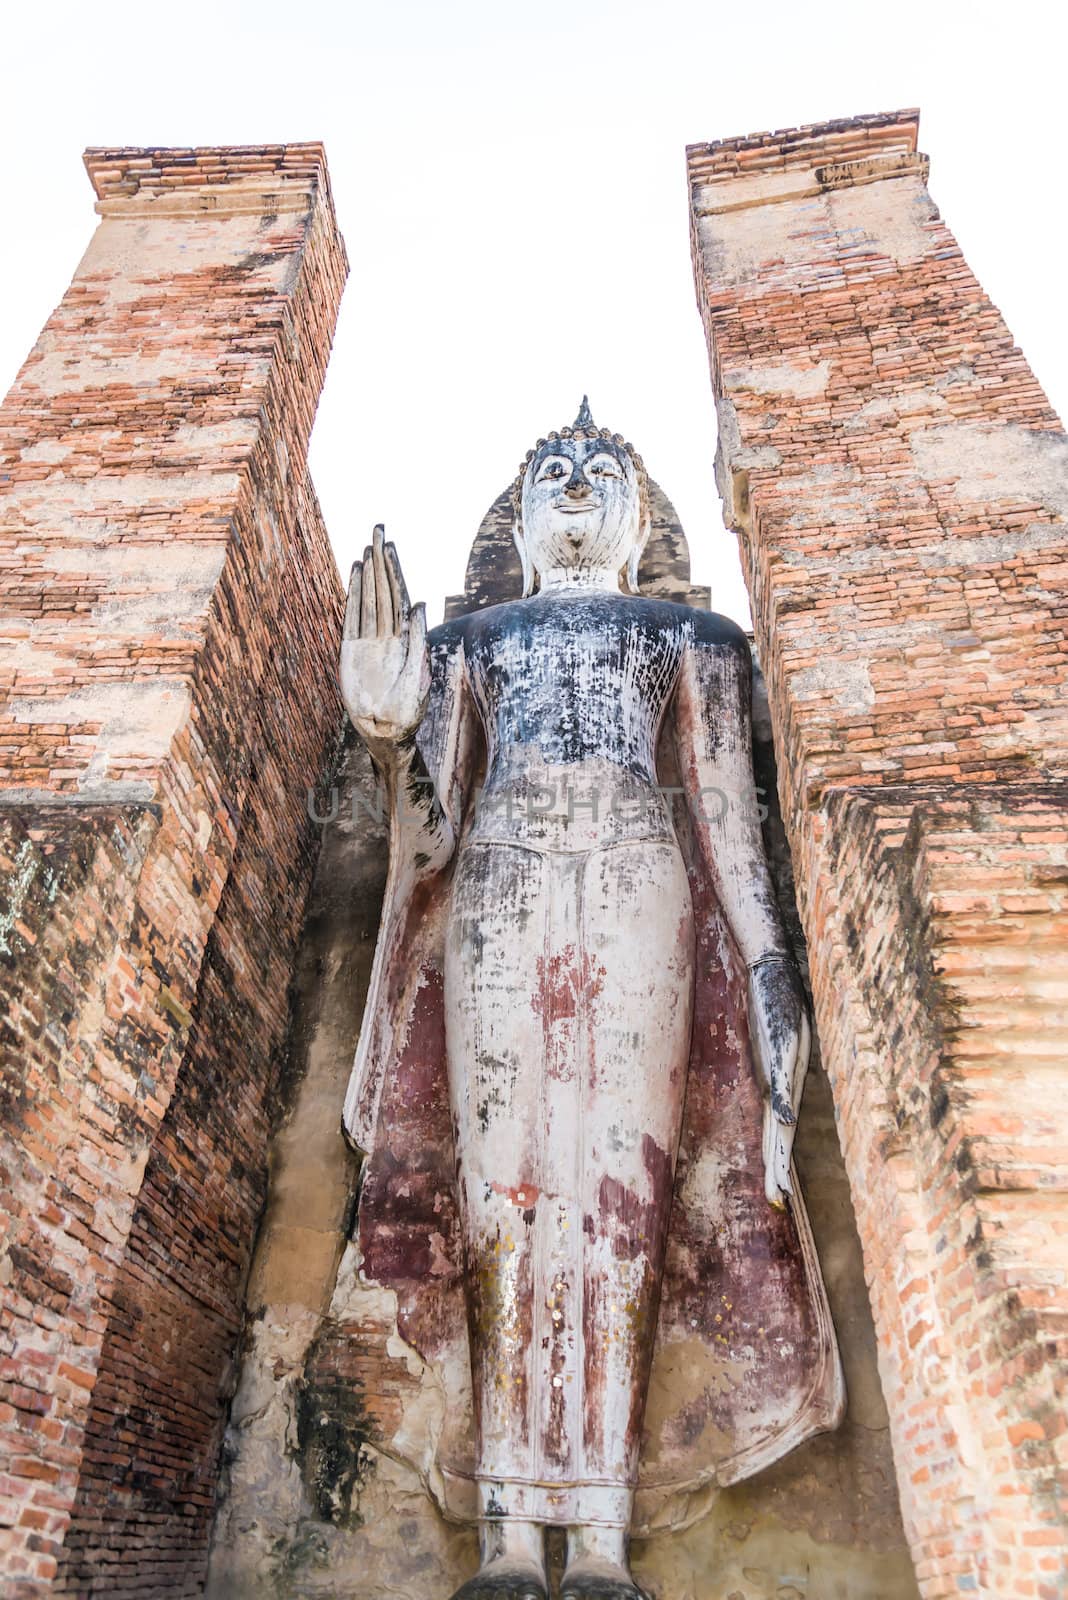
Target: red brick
168,585
897,479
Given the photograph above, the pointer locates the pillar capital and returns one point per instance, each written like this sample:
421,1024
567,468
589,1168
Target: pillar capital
222,179
759,169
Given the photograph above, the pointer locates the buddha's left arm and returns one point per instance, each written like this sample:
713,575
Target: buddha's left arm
714,738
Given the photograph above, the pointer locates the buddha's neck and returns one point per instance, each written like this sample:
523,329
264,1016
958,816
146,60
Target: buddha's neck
578,578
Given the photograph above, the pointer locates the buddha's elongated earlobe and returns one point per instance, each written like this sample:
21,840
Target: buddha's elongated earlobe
637,550
524,556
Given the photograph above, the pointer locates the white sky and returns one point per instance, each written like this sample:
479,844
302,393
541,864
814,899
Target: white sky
510,182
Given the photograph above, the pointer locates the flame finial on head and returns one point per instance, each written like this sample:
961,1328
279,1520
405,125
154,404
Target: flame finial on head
584,418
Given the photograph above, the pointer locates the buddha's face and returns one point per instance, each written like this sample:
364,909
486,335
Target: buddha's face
580,505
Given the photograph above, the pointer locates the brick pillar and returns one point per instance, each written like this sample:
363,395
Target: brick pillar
169,615
898,482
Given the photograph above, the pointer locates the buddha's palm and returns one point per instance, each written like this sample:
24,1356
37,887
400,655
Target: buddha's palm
385,665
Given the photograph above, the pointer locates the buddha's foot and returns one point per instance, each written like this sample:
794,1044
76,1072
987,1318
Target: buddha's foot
504,1580
599,1581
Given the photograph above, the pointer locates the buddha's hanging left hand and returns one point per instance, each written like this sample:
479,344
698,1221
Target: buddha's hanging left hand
781,1039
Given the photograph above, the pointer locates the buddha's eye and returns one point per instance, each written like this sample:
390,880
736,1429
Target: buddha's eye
552,469
604,468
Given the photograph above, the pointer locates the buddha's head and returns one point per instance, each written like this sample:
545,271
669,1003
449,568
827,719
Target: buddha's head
581,504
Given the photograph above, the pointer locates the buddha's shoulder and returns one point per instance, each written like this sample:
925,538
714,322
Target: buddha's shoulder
708,628
450,635
447,636
711,627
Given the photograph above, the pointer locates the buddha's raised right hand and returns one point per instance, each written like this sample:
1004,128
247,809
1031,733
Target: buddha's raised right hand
385,664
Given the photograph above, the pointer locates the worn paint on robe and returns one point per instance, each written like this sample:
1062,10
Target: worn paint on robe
743,1325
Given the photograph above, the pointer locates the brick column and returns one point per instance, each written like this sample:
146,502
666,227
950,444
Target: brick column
169,614
899,484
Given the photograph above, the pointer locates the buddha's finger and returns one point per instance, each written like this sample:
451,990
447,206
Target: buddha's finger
351,629
803,1054
386,621
782,1164
368,599
415,661
398,589
417,631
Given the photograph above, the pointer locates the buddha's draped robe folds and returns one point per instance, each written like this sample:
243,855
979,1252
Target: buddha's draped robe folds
565,1184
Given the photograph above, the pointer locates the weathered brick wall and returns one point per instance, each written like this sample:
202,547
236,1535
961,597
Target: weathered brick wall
899,483
170,615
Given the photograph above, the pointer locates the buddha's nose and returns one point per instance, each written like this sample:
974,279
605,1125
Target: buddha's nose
578,485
